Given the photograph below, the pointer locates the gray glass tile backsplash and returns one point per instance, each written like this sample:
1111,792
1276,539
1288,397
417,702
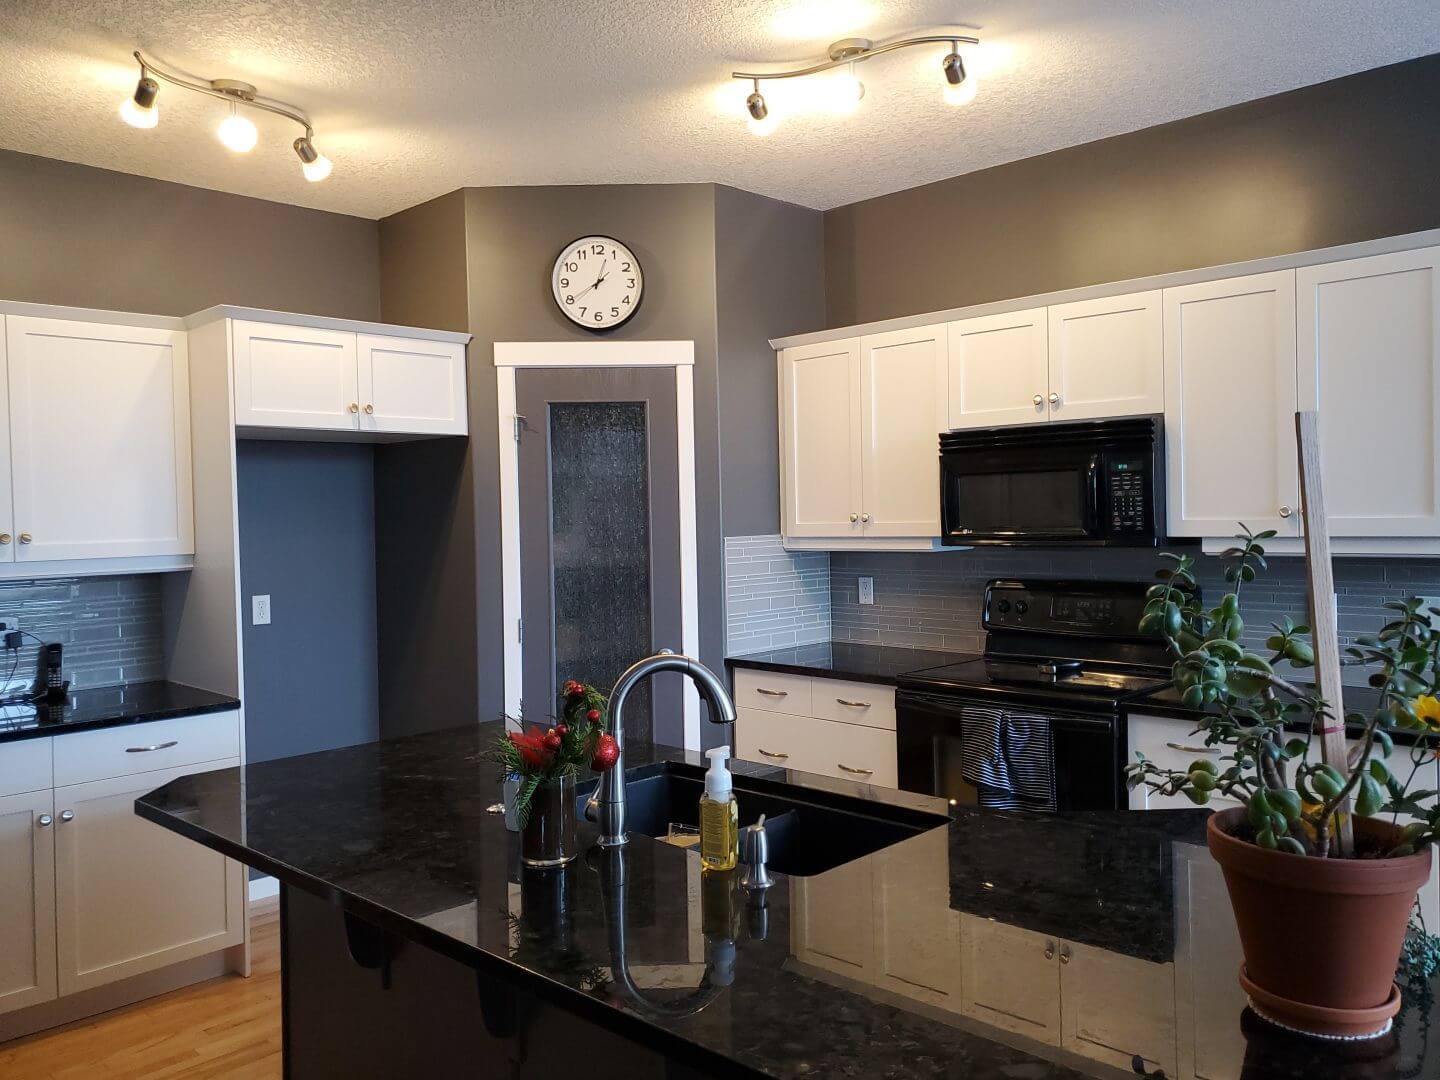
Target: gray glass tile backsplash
110,628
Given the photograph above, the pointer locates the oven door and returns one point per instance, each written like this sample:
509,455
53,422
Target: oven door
928,753
1020,494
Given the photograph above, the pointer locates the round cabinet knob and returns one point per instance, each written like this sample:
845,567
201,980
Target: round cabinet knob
44,821
25,538
1049,950
854,517
1064,956
354,407
864,517
4,538
1054,399
369,410
1038,400
1285,512
67,815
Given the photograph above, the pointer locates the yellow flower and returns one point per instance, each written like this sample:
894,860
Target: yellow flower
1427,708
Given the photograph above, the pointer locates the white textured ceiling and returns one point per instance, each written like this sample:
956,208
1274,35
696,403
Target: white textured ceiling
414,98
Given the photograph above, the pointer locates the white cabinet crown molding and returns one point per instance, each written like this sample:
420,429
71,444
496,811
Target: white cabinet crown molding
319,322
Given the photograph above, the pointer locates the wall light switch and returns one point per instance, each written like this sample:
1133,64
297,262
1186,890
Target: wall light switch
867,590
260,610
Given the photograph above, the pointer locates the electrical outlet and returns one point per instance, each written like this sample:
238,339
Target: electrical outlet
260,610
867,590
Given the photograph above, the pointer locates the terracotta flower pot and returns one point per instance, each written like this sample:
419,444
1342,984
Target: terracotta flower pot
1321,937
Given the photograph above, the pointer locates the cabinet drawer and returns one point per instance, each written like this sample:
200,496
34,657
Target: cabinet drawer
137,748
867,704
1171,743
772,691
770,738
863,754
25,766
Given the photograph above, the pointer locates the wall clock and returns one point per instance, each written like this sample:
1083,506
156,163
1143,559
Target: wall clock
597,282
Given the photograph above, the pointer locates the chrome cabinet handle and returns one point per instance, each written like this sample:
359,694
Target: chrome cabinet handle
1038,400
854,517
25,538
67,815
853,704
772,754
1211,750
151,749
852,769
1054,399
1285,511
772,693
4,538
44,821
1065,954
369,410
354,407
1049,950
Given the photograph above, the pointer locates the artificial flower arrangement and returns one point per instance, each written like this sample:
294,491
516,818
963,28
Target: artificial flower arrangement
542,755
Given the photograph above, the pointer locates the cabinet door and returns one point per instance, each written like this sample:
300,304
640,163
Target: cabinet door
902,402
295,377
820,439
834,919
27,900
411,386
1010,978
130,895
1114,1007
1230,400
99,440
999,369
914,956
7,505
1369,361
1107,358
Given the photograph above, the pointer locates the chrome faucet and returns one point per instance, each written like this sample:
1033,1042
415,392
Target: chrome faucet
607,805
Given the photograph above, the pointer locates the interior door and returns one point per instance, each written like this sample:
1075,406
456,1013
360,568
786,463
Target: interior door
903,379
99,440
295,377
821,439
999,369
1369,361
600,538
1230,399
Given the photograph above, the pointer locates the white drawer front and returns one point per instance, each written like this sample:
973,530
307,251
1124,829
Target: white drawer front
770,738
25,766
863,703
863,754
1169,742
772,691
137,748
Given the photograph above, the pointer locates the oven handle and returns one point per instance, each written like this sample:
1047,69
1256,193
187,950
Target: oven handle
944,703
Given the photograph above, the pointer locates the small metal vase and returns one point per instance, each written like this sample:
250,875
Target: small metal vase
548,836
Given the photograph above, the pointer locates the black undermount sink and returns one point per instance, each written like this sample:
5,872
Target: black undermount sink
809,832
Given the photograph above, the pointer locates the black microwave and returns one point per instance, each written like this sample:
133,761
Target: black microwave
1099,483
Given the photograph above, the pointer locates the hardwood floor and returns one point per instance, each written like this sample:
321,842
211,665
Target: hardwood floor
227,1027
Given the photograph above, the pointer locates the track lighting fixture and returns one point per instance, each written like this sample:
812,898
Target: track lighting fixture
847,89
237,131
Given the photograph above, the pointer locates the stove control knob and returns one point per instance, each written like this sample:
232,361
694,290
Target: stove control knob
1021,607
1004,606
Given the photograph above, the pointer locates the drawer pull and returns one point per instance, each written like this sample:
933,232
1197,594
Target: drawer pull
854,704
857,772
772,754
772,693
1211,750
149,749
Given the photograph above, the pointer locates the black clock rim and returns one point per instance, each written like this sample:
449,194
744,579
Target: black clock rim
634,308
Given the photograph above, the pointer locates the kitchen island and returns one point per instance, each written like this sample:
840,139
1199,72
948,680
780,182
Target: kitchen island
985,944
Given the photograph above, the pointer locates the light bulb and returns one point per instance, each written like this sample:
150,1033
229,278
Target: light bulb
137,117
763,126
238,133
316,170
846,91
963,94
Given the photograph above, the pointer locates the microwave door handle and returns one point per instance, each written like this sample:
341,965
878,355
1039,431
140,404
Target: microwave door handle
1094,512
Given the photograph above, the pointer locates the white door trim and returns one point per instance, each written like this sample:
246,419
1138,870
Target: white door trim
680,355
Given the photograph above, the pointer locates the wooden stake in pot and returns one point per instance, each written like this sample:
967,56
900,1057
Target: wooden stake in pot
1324,631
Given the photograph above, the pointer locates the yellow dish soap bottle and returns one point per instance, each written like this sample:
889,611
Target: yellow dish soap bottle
719,815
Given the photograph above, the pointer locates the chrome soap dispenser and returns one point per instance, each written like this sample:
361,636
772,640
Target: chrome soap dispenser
719,815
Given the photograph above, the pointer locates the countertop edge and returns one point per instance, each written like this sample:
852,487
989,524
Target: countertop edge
41,731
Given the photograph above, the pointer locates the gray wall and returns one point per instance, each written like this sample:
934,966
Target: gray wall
769,281
1342,161
93,238
307,538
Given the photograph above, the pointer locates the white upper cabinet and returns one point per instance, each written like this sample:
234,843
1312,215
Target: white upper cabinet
411,386
99,442
1107,358
903,379
821,439
999,369
295,377
1230,399
1369,361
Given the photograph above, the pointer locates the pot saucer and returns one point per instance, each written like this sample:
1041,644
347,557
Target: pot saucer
1316,1021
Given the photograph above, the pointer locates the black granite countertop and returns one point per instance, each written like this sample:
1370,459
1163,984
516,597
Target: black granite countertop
848,660
109,706
398,833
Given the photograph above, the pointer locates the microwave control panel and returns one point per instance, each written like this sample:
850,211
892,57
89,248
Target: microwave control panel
1127,484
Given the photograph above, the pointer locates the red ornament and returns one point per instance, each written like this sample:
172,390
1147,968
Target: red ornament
552,740
561,730
607,752
593,716
573,689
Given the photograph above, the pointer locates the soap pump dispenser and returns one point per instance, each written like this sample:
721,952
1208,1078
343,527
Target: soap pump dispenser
719,815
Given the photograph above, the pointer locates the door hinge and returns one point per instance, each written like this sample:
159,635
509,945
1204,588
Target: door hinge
519,426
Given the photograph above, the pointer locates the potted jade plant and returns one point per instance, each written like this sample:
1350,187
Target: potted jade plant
1321,924
546,762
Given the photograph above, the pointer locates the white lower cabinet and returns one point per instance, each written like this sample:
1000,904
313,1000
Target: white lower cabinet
834,912
27,900
832,727
131,896
1010,978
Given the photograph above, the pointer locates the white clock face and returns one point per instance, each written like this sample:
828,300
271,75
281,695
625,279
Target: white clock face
597,282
